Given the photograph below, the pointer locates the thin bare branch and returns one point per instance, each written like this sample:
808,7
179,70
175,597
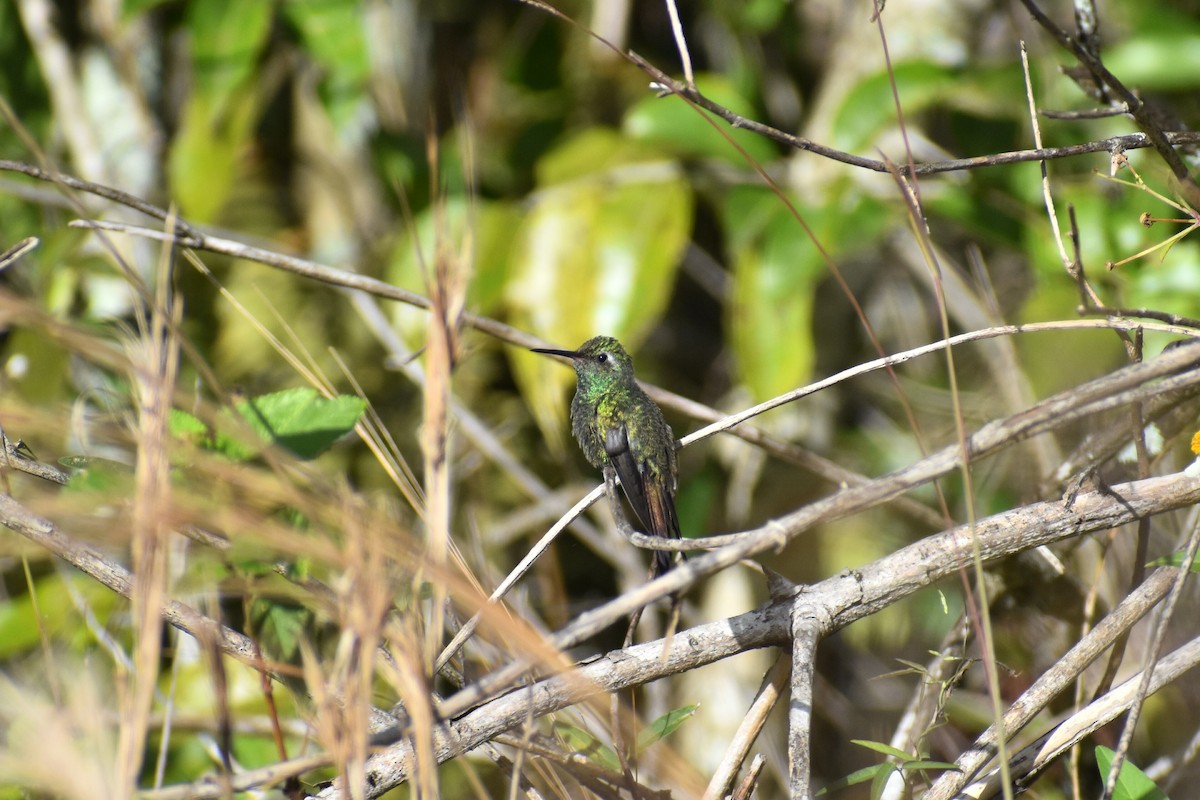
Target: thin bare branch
768,695
1133,141
685,57
1047,196
809,622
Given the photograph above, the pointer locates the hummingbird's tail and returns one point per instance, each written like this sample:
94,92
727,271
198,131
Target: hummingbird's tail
663,561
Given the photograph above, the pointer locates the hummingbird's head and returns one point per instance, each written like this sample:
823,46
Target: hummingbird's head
599,360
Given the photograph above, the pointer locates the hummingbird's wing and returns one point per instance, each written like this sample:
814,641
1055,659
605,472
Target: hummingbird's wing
651,497
616,445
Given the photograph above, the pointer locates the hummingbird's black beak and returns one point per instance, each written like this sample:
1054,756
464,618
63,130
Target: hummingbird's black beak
571,354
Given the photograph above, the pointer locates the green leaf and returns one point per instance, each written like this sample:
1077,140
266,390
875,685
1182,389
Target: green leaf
94,474
184,425
132,8
333,34
300,420
189,427
854,778
869,108
664,726
673,124
1159,60
280,627
226,39
592,153
596,254
203,165
762,15
926,764
1132,783
880,774
57,617
1175,560
233,447
882,779
776,270
583,743
885,749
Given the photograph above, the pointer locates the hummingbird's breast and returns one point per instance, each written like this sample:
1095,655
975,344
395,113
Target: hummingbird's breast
585,415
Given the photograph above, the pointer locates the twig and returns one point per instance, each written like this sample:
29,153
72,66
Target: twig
1090,113
1167,771
155,367
1037,141
745,789
16,456
467,630
773,684
98,189
1132,141
809,623
681,43
1087,21
1140,313
733,420
668,84
938,676
1172,413
14,253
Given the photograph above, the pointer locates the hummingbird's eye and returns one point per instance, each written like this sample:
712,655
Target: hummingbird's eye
602,358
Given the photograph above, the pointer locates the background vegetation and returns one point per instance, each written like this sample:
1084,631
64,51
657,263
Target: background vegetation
514,173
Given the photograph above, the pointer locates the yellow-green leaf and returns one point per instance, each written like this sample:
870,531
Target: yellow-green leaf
595,254
207,151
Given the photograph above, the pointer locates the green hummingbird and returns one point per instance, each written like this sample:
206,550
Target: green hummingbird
622,431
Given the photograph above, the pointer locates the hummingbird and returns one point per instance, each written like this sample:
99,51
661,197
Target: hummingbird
622,431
